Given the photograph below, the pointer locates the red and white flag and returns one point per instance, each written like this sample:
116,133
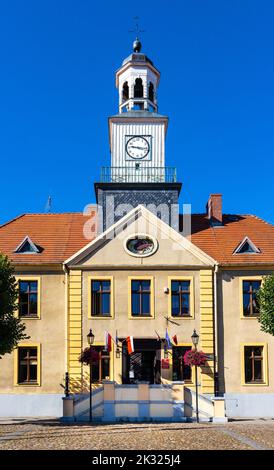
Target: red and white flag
130,345
108,340
174,339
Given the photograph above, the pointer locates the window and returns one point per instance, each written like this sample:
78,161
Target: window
151,92
101,297
125,92
253,364
141,297
27,247
250,303
28,298
138,88
101,369
180,371
180,298
246,247
27,366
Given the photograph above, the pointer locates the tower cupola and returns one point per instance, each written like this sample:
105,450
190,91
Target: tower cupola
137,81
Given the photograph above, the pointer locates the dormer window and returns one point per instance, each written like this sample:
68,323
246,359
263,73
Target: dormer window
138,88
27,247
246,247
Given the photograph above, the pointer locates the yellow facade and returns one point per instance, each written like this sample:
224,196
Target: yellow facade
207,328
64,305
75,327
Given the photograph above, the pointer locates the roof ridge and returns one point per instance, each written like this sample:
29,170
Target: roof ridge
235,214
53,213
12,220
260,218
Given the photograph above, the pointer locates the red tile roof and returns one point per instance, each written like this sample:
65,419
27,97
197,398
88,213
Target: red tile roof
61,235
220,242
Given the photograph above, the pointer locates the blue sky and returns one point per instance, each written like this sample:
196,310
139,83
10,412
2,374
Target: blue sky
57,88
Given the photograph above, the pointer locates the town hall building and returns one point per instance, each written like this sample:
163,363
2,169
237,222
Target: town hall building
142,277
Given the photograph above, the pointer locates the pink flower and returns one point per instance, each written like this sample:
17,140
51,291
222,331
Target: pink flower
195,358
89,355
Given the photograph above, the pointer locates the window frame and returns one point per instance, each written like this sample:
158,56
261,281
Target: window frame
241,292
152,301
29,279
100,278
16,365
265,382
191,316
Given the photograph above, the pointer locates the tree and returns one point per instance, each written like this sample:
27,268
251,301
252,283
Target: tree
11,328
265,298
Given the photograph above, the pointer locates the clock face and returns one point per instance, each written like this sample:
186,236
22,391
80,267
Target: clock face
137,147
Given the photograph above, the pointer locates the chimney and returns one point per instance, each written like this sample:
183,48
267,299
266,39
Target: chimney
214,209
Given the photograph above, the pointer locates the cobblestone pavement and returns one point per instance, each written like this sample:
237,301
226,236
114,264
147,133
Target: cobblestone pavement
50,434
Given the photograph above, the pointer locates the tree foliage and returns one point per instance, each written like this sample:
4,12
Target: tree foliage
11,328
265,298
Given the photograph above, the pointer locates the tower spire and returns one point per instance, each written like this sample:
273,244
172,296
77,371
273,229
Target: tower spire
137,45
137,81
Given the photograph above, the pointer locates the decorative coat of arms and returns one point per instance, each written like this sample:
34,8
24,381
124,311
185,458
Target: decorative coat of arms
141,245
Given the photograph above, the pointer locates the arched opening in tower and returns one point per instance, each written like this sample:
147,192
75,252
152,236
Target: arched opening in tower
138,88
151,92
125,92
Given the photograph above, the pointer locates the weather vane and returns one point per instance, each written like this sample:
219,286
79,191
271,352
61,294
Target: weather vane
137,43
137,29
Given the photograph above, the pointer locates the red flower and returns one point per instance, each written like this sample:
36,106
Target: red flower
195,358
89,355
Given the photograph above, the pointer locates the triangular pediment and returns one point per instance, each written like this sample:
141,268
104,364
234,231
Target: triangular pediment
117,246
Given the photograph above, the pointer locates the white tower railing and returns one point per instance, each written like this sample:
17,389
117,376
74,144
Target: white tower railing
138,174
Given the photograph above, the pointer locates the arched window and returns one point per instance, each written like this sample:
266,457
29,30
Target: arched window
125,92
138,88
151,92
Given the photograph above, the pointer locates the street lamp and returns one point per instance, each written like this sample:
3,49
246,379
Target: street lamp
118,352
195,341
90,338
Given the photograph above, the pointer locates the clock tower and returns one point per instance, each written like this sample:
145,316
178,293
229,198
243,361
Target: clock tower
138,174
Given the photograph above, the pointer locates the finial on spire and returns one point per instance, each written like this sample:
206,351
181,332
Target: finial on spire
137,45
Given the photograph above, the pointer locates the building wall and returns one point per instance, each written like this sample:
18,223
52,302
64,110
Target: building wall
50,333
138,328
113,261
57,321
234,331
122,129
115,202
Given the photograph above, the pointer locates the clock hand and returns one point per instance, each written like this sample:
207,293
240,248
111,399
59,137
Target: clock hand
134,147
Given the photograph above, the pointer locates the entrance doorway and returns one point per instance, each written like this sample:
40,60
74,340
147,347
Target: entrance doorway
144,364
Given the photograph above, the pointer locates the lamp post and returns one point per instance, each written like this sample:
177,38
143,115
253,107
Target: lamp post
195,341
90,338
